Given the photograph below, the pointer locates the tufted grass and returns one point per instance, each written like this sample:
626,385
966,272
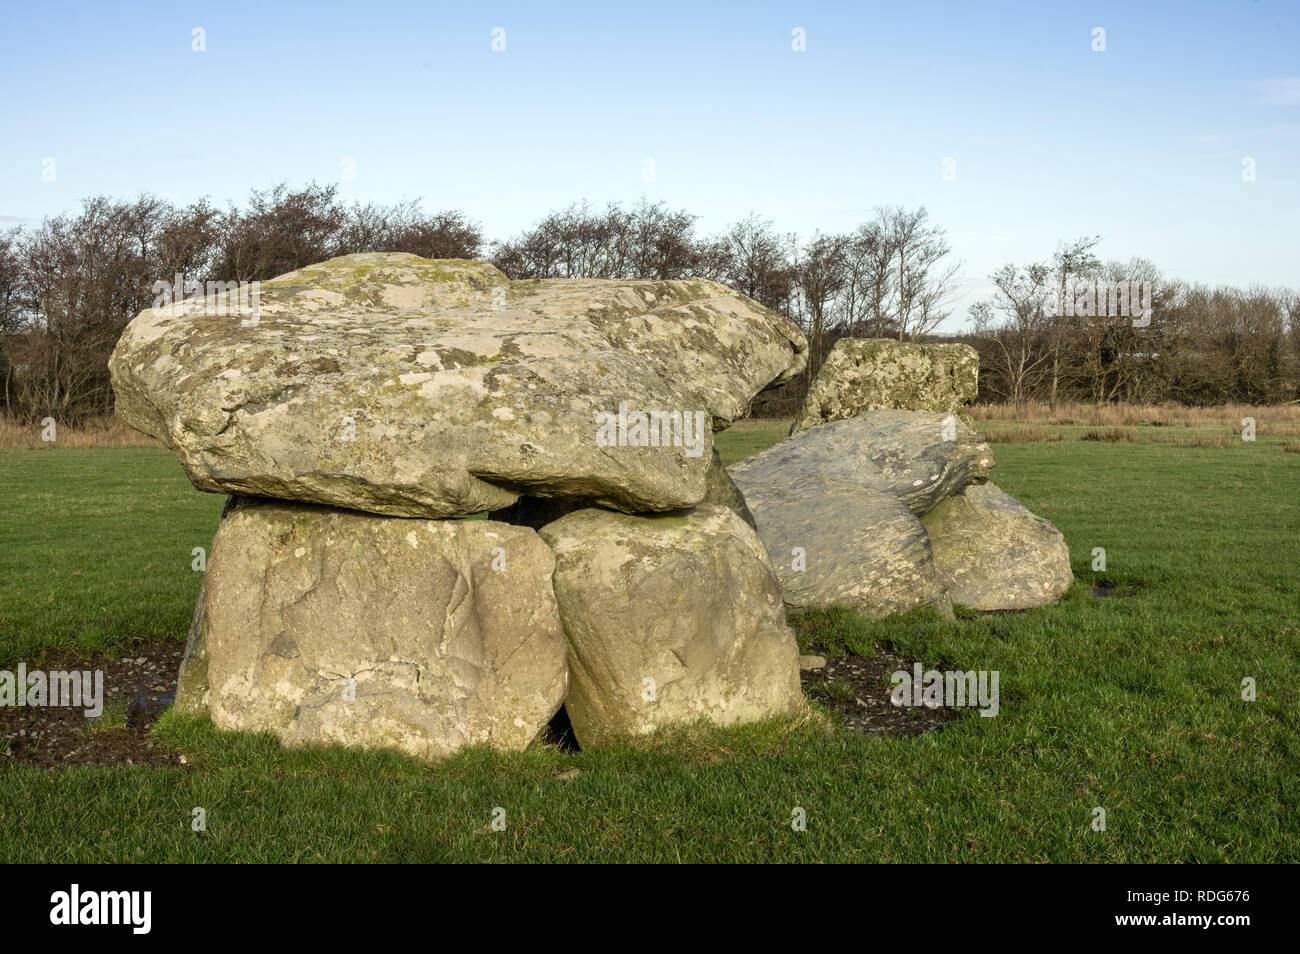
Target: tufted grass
1132,703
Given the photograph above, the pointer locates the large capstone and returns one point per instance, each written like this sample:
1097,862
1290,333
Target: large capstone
398,385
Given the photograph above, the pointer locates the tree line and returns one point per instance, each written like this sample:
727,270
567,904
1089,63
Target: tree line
70,285
1192,344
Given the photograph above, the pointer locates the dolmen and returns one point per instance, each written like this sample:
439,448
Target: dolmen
457,503
368,412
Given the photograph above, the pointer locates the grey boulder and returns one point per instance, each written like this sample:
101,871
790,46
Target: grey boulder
992,553
670,618
916,456
842,544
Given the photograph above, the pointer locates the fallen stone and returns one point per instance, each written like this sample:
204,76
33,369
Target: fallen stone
992,553
918,457
841,544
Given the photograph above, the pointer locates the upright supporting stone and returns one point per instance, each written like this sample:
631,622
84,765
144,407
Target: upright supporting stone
328,626
670,618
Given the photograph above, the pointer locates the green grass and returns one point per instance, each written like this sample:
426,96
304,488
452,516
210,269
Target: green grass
1131,703
113,717
837,690
749,437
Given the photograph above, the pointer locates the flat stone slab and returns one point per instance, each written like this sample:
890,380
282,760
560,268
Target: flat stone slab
919,457
398,385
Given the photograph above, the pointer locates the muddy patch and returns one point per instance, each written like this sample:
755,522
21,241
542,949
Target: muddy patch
857,690
138,687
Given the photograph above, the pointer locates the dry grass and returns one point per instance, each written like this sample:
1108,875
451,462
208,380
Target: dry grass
102,432
1023,433
1209,440
1282,419
1033,433
1127,423
1111,435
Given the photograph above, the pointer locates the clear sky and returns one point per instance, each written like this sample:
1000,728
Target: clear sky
1143,143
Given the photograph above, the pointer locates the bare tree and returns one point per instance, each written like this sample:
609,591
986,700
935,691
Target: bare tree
1016,326
754,260
923,282
868,282
819,280
280,231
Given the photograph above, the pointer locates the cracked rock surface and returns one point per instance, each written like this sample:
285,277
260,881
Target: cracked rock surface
670,618
328,626
916,456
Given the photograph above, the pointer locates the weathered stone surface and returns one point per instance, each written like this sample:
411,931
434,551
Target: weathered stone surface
449,628
721,489
916,456
843,544
537,512
192,680
687,601
398,385
992,553
866,374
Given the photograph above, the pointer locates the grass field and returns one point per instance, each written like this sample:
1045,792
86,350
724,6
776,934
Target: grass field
1132,704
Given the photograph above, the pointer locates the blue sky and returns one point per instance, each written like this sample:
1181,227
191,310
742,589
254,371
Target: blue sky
1142,144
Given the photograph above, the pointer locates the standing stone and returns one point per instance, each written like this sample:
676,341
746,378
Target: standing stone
992,553
670,618
331,627
398,385
866,374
